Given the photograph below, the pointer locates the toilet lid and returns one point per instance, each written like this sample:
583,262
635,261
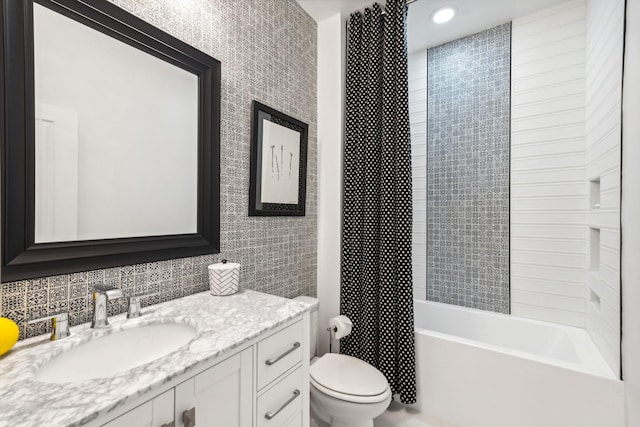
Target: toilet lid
348,375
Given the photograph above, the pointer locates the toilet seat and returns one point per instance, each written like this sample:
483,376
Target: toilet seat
348,378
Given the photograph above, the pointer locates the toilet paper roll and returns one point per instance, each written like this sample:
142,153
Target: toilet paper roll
340,326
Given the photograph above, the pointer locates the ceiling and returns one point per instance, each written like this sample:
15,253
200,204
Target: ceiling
322,9
472,16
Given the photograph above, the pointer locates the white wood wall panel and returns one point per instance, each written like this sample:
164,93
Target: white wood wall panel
548,188
631,215
418,122
605,32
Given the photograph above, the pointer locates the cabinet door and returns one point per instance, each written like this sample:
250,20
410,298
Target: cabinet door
154,413
221,395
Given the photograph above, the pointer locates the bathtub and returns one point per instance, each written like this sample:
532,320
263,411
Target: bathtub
481,369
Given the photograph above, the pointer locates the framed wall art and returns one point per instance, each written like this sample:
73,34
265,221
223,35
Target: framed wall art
278,163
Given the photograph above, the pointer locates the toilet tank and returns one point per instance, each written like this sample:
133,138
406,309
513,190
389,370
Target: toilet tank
313,336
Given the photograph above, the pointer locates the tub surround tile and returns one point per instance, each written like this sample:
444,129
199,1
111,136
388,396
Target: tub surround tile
417,63
468,120
604,51
222,324
549,248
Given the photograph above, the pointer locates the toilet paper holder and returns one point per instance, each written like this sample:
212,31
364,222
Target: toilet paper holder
331,332
339,327
329,329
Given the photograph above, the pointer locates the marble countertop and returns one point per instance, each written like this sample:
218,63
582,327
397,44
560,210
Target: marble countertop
222,323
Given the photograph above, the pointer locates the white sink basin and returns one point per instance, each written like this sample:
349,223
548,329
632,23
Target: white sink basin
114,353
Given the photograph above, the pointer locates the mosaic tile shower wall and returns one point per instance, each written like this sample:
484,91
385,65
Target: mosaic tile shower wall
468,120
268,53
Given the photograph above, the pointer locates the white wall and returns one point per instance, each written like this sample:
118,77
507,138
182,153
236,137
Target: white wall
631,216
331,62
417,63
603,81
548,191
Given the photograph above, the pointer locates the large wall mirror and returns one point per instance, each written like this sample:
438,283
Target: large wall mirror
111,140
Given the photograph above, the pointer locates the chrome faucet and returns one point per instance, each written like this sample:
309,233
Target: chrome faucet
100,297
134,308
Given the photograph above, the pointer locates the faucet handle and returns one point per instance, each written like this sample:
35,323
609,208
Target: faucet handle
60,325
135,306
110,292
114,294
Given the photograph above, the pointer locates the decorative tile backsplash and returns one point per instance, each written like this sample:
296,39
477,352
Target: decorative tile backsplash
162,281
468,122
268,53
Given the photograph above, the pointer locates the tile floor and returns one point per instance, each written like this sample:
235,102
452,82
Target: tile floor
399,415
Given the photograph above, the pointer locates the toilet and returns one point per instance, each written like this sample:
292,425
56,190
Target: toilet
345,391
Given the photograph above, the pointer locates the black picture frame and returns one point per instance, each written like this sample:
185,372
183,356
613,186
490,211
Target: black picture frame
257,205
21,257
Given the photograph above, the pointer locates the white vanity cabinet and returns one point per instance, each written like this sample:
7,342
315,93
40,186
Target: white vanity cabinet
246,365
263,384
218,396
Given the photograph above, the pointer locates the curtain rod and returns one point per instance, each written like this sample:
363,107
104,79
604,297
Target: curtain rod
383,11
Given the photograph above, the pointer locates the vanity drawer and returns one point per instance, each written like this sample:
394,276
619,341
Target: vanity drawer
279,353
281,405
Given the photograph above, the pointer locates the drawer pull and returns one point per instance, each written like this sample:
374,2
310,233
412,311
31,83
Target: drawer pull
189,417
270,415
270,362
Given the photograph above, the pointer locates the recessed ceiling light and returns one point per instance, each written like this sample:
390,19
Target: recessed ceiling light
444,14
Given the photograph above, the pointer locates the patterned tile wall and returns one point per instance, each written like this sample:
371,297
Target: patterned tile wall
268,53
468,171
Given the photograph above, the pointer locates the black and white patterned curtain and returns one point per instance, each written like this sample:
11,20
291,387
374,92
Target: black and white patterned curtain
376,288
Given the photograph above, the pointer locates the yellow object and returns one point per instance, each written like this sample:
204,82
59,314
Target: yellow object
9,333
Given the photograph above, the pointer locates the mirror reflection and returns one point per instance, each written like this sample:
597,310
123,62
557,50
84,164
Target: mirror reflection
116,137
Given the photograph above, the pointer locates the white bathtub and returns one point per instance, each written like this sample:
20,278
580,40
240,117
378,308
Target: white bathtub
481,369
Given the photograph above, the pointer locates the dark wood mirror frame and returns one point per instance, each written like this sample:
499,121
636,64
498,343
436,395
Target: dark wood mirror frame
21,257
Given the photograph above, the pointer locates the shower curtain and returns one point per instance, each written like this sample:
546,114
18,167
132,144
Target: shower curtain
376,287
